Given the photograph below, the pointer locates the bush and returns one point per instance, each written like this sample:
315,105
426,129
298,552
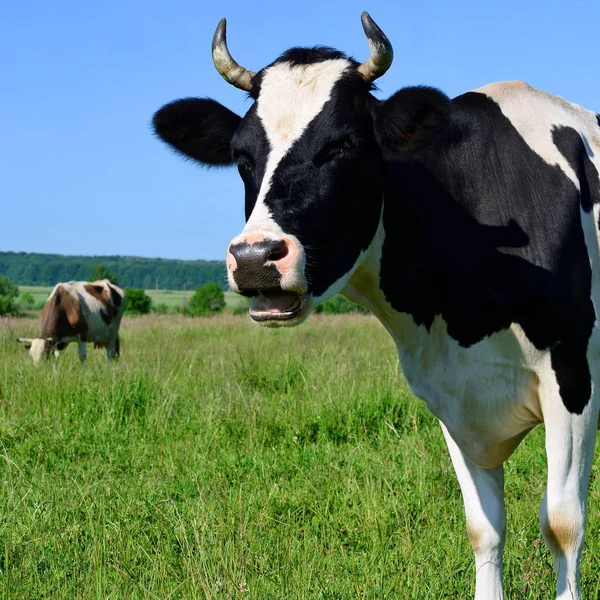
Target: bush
161,309
8,293
242,306
339,305
137,302
207,300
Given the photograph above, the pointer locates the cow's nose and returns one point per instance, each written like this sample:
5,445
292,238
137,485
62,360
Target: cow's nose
258,253
252,272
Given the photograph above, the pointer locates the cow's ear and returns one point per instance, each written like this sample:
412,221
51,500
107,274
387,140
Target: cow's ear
198,128
410,118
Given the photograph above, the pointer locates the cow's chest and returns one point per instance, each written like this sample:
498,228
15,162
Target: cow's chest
487,395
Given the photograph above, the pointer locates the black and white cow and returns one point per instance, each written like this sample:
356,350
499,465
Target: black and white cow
469,227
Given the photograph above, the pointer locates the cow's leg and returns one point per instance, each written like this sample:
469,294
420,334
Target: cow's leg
113,348
82,350
569,448
483,496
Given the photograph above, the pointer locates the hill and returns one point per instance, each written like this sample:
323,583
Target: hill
32,269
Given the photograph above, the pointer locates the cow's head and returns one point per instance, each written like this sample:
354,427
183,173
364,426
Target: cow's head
38,348
311,153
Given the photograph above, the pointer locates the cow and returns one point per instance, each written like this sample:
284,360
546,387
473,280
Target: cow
79,311
468,226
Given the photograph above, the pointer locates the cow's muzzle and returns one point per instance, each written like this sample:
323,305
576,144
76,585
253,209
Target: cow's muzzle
272,272
278,307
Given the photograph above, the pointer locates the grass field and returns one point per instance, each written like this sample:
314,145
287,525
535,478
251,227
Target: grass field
221,460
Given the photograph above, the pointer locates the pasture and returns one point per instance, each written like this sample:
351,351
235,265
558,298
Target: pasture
221,460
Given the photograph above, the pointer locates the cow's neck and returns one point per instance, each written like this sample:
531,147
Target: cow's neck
364,288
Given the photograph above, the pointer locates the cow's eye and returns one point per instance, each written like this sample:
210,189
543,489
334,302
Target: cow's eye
333,150
244,165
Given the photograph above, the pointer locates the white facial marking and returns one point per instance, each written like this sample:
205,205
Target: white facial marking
290,98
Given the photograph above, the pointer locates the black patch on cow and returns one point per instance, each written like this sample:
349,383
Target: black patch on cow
251,273
198,128
569,359
115,298
302,55
482,231
598,119
572,147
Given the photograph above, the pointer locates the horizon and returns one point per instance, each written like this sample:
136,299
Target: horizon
84,174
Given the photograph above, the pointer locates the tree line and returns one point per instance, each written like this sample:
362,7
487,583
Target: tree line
24,268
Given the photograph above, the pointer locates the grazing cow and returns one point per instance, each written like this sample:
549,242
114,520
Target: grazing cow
79,311
469,227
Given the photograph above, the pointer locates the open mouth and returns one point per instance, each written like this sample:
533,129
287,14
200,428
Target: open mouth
278,307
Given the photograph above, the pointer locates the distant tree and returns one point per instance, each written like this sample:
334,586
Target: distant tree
8,293
338,305
206,300
47,269
101,272
137,302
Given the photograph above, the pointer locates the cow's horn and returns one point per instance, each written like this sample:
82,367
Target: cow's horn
382,52
227,67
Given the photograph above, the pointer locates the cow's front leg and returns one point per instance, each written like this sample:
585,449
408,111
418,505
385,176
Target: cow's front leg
483,496
569,449
82,350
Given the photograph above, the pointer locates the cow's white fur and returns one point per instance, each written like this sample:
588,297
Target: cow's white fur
489,395
290,98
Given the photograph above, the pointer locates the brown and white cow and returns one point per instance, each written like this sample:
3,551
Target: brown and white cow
79,311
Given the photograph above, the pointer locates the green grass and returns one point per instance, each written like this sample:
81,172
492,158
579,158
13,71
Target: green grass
221,460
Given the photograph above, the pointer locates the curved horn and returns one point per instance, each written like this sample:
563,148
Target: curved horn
382,52
230,70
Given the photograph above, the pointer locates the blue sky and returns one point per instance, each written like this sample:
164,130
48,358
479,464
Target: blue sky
80,172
